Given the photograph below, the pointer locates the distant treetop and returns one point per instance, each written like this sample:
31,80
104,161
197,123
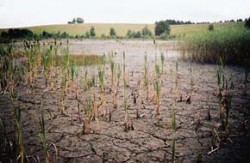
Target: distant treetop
77,20
176,22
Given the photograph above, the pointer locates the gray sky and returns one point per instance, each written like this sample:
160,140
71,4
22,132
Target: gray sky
19,13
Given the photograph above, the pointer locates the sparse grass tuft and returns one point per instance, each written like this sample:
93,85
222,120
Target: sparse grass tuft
158,96
145,75
173,124
162,62
19,133
42,136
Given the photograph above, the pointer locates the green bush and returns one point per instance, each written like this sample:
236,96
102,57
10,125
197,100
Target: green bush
210,27
87,34
129,34
164,36
133,34
146,32
104,36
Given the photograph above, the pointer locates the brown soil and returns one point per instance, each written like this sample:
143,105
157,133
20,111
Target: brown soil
151,139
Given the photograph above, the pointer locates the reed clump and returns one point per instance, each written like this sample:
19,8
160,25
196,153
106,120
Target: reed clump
208,46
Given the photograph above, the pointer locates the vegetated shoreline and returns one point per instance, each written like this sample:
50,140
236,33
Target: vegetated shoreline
197,43
200,53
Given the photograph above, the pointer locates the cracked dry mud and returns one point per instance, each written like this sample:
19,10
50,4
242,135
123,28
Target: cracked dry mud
151,139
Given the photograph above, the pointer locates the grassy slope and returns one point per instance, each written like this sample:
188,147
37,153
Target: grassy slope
121,29
80,29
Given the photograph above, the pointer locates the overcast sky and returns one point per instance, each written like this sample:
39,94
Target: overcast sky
20,13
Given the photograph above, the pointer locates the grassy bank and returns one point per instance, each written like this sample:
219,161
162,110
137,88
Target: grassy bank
228,41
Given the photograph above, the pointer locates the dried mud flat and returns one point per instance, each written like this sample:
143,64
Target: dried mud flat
151,139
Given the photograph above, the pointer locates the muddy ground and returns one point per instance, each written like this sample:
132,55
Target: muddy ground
151,139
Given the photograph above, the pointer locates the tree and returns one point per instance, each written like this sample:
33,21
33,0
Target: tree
72,22
92,31
146,32
76,20
247,23
177,22
112,32
79,20
210,27
239,20
162,27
